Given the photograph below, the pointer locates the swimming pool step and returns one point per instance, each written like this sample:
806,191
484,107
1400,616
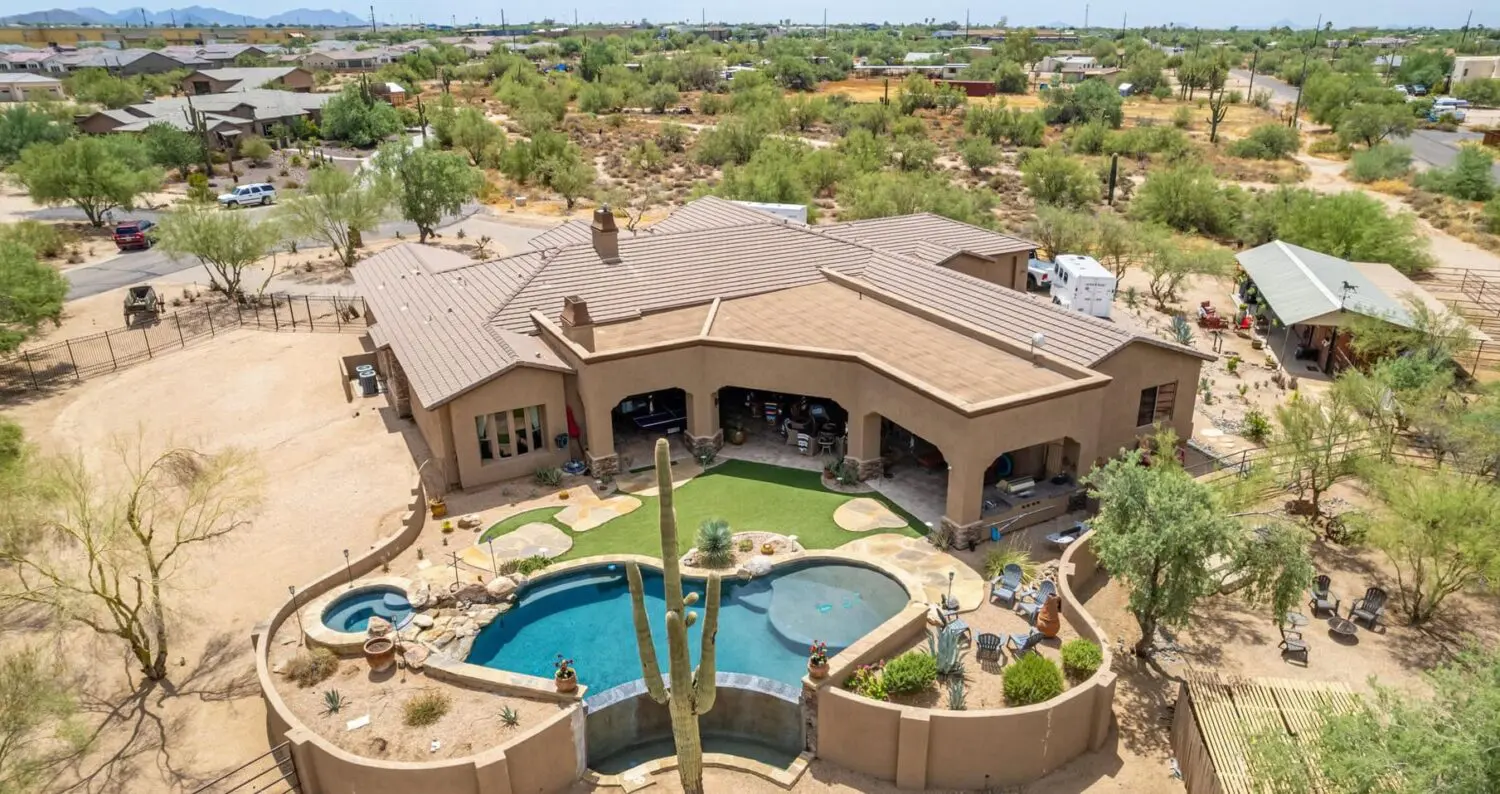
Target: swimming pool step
754,596
571,585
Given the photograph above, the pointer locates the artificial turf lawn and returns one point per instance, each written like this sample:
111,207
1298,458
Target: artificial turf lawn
750,496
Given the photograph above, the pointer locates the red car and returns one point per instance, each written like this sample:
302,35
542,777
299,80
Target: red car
133,234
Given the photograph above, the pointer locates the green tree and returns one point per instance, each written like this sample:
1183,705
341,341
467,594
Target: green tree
1318,446
35,708
1382,161
427,184
913,153
804,111
571,177
1090,100
359,119
336,208
1062,231
1371,123
172,148
226,243
864,151
794,73
596,57
30,293
1052,177
1348,225
482,140
1145,72
1482,92
1116,243
1427,67
1469,178
1169,264
1441,531
255,149
661,96
774,174
102,88
597,98
1155,532
1010,78
94,174
1267,142
883,194
22,126
1187,197
978,154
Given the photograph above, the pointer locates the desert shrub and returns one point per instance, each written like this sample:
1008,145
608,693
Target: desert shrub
1257,425
44,240
425,708
1088,138
1182,118
1090,100
672,137
1384,161
996,560
1267,142
1469,178
868,682
1033,678
712,104
912,671
1137,141
1348,225
311,667
715,543
1081,658
532,564
1053,177
1188,198
198,190
550,476
1491,216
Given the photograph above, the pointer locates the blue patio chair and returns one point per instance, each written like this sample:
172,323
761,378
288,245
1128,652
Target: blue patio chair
953,624
1046,588
1022,643
989,646
1003,587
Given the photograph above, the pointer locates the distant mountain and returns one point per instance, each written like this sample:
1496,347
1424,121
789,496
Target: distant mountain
192,15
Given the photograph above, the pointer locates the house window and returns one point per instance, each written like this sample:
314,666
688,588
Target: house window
1156,404
514,432
523,438
482,430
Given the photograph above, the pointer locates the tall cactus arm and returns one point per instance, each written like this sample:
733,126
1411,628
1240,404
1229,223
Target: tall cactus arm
670,574
650,669
680,661
705,689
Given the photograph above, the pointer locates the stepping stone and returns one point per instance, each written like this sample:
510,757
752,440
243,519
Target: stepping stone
864,514
589,512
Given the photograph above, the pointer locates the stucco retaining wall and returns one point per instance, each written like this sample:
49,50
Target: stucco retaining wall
919,748
547,757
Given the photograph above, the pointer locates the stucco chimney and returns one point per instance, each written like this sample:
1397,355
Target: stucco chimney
576,323
606,235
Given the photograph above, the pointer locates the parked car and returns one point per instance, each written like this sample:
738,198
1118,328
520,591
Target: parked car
258,193
133,234
1418,90
1038,274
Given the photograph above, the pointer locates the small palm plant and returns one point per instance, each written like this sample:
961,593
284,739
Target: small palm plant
333,701
715,543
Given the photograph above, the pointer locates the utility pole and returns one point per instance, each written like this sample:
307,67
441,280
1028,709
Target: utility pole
1254,58
1306,54
372,19
1465,36
1123,19
505,26
1085,16
825,24
144,23
966,26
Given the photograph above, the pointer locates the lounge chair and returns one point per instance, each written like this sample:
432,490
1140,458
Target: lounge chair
1370,608
1061,540
1292,644
989,646
1046,588
1323,599
1003,587
1021,643
954,624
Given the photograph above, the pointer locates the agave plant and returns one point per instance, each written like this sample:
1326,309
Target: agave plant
944,648
510,716
715,543
1182,330
957,693
333,701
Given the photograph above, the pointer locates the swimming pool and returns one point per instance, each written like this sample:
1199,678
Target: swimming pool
352,612
765,624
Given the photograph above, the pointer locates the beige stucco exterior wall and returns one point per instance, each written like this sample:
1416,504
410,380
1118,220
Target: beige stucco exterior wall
437,431
520,388
1007,270
1138,366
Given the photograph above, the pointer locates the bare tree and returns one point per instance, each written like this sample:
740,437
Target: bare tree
103,556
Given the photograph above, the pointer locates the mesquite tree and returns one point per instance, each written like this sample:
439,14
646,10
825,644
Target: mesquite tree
692,691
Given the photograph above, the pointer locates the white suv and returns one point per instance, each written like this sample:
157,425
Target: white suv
247,195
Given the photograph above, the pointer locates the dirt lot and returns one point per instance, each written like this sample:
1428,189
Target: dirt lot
334,478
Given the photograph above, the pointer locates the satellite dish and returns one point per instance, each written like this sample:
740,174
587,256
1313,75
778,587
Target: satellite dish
1038,340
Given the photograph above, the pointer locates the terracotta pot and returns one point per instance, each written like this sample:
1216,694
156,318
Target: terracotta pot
817,670
766,548
380,653
438,507
1047,619
736,436
566,683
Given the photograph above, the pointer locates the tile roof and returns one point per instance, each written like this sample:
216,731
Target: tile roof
246,78
463,322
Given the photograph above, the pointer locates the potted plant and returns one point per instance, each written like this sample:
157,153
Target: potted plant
817,659
447,526
437,506
566,677
767,548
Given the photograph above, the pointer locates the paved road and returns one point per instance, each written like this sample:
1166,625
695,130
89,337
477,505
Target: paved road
1281,93
1438,149
133,267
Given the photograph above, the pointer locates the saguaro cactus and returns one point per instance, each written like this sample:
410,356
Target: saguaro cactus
692,691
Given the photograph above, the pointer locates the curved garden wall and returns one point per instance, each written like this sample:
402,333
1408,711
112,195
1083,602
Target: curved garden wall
547,757
919,748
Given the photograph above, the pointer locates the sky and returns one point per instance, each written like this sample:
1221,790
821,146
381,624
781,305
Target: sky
1298,13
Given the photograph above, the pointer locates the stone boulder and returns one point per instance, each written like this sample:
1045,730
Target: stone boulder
520,579
379,627
442,640
505,607
421,596
415,656
758,566
460,649
486,617
500,587
470,521
422,621
473,593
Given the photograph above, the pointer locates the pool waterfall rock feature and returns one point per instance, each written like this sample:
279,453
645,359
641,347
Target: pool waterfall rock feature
692,692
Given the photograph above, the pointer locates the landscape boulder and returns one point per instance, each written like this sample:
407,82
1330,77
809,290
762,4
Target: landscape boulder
474,593
421,596
500,587
379,627
758,566
422,621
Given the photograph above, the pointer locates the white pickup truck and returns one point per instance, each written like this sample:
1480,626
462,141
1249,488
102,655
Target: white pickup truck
1038,274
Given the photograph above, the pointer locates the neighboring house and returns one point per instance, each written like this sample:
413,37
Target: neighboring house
220,56
31,61
362,60
126,62
1387,61
1476,67
1066,64
392,93
946,35
916,329
228,116
29,87
314,61
220,81
920,58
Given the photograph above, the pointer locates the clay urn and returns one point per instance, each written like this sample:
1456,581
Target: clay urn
1046,620
380,653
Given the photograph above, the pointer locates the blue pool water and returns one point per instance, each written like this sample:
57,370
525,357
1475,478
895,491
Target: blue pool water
352,613
765,625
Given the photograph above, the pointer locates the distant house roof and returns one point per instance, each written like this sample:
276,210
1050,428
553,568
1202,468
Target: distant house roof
920,57
456,323
27,78
1304,286
264,104
246,78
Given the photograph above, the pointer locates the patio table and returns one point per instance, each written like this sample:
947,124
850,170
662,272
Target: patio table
1343,626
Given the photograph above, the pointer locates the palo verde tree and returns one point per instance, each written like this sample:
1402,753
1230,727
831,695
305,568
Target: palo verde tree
93,173
103,556
337,208
691,692
35,707
426,184
1441,531
225,242
30,293
1319,442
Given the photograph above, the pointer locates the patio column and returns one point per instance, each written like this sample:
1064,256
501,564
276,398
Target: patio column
863,450
965,499
704,432
599,434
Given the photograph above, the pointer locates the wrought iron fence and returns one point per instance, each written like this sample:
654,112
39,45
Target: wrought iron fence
82,357
272,772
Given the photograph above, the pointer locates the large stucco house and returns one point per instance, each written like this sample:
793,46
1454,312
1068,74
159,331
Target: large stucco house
917,328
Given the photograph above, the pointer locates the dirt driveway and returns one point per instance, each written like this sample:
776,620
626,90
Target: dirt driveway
335,478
